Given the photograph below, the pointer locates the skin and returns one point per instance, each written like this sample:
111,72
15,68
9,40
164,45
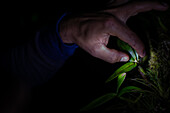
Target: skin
91,31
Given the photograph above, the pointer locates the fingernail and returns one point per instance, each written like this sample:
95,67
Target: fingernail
164,4
123,59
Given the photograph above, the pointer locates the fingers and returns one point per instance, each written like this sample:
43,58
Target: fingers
124,33
123,13
131,9
109,55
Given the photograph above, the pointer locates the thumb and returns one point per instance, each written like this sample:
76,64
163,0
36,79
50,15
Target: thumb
109,55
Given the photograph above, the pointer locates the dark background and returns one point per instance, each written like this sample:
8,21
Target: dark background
81,79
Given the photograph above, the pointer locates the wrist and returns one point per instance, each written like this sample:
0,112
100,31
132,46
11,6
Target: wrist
63,31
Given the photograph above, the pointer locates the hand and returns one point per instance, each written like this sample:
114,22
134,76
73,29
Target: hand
92,31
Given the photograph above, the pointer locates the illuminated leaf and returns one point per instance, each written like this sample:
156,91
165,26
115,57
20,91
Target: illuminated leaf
126,47
137,56
121,79
123,69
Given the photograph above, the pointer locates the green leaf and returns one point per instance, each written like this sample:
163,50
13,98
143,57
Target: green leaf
123,69
144,59
126,47
130,100
131,60
162,25
137,56
121,79
141,70
99,101
129,89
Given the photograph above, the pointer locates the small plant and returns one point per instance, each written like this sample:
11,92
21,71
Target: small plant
150,90
155,76
120,74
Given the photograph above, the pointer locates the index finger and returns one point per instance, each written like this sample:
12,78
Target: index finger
122,31
133,8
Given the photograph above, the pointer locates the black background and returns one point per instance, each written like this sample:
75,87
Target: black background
80,80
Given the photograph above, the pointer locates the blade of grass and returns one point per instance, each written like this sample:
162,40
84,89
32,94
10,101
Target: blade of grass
121,79
130,100
99,101
162,25
129,89
123,69
148,84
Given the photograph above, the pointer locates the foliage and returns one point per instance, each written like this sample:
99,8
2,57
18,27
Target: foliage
150,92
120,74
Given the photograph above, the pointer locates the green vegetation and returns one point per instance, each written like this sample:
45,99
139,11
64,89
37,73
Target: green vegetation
150,76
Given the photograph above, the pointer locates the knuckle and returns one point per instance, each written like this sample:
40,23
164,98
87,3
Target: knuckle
132,39
135,42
